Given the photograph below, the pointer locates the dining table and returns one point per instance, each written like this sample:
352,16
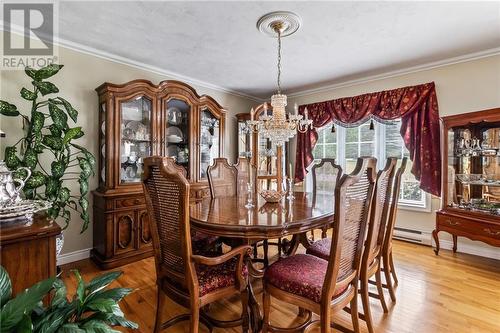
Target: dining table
229,217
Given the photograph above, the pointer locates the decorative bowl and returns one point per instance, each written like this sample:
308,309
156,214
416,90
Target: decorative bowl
272,196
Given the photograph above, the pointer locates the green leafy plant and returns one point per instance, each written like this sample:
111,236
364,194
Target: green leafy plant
93,309
47,133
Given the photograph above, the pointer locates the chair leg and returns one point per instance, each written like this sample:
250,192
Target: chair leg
255,251
354,312
323,232
388,279
194,323
266,300
380,290
160,308
244,311
325,320
365,299
393,271
266,251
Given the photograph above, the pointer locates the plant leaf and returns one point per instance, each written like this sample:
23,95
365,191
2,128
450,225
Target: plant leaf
80,288
70,328
71,134
115,294
46,87
69,109
57,168
51,187
8,109
30,158
53,142
5,286
37,179
13,311
67,218
38,120
96,326
121,321
86,220
11,159
102,281
28,94
58,116
31,72
64,194
106,305
60,294
85,166
84,186
84,203
55,131
47,71
25,326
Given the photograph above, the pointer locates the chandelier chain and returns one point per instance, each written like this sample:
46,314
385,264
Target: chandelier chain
279,61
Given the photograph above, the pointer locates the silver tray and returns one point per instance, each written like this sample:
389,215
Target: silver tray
22,209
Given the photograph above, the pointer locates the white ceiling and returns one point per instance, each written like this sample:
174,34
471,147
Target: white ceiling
218,42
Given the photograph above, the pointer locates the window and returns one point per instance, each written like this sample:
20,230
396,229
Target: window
347,144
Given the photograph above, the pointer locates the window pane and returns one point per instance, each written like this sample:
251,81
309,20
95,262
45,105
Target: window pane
393,149
351,151
330,151
318,151
367,149
351,134
366,133
392,131
410,190
329,136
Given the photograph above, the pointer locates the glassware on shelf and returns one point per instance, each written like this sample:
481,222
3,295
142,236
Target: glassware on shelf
249,203
209,140
290,195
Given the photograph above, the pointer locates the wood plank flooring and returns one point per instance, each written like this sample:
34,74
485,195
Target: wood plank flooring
451,293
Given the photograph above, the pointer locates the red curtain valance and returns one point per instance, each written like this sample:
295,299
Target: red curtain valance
417,107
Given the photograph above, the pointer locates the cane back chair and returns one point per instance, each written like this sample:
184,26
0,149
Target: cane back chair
325,176
190,280
222,178
387,258
326,286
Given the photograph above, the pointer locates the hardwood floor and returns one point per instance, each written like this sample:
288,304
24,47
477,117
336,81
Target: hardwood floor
449,293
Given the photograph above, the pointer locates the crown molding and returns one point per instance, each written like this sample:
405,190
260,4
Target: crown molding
137,64
400,72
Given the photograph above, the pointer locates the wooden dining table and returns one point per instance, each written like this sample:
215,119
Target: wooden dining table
229,218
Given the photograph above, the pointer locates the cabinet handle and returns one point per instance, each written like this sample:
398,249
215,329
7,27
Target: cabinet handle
491,232
453,223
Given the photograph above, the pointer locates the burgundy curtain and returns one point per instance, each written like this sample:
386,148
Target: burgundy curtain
416,106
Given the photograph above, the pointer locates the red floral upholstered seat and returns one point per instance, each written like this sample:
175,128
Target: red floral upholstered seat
301,274
211,278
320,248
204,244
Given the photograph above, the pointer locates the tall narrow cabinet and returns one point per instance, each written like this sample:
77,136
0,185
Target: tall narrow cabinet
136,120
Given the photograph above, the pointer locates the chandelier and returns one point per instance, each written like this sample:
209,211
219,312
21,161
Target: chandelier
280,126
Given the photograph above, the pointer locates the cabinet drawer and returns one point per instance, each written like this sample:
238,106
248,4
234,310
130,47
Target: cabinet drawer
472,227
130,202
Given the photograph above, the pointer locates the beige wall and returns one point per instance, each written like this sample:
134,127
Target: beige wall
464,87
77,80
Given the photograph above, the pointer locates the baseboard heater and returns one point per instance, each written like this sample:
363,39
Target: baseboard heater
411,235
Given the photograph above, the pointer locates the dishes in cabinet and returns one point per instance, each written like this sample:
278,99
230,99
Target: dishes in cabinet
174,131
135,130
172,151
174,138
174,115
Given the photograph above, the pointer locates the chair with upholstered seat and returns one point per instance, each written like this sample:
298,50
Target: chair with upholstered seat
327,286
371,261
325,176
222,178
188,279
387,257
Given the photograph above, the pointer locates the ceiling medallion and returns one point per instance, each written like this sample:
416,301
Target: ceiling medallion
279,126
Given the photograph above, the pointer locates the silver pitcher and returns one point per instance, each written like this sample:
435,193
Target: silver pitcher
9,192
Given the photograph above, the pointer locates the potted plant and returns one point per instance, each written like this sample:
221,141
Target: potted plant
92,309
49,134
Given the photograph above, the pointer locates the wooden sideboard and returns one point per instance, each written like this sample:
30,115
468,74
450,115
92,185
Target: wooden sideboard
28,252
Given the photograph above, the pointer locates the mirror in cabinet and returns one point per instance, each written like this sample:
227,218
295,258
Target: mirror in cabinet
135,134
209,140
474,167
177,139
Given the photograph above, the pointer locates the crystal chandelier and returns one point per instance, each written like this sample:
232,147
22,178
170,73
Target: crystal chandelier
280,126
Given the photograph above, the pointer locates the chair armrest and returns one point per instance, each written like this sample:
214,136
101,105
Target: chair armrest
212,261
241,251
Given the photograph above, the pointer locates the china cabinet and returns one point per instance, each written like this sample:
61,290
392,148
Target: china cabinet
269,160
136,120
471,178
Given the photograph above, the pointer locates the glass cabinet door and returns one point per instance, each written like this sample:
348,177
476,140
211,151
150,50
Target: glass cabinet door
244,140
135,134
177,113
209,140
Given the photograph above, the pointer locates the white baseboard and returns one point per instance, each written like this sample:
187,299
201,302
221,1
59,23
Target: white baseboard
66,258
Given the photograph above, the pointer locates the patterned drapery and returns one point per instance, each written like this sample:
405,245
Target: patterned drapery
417,107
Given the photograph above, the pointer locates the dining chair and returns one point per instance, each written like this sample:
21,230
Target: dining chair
222,178
325,176
326,286
190,280
387,257
245,171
